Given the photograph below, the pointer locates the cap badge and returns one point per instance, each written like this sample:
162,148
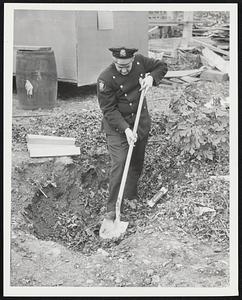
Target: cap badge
101,85
122,52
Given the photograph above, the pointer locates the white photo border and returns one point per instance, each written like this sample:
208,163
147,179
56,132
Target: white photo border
232,289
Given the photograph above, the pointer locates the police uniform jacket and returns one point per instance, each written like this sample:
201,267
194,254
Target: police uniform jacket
118,95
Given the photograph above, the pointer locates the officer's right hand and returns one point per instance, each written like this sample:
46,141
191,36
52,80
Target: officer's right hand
131,138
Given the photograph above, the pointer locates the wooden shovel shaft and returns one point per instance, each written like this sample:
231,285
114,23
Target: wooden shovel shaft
128,159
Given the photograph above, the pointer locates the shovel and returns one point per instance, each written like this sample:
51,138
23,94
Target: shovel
113,229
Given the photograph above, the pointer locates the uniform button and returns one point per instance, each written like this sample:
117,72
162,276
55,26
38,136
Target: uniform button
121,86
144,107
141,74
114,77
137,62
125,95
132,114
130,103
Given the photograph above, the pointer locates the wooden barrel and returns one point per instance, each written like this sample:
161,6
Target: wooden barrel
36,77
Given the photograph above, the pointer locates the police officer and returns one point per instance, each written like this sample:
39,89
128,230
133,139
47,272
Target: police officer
118,89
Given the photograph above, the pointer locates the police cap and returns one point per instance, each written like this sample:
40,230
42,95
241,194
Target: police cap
123,52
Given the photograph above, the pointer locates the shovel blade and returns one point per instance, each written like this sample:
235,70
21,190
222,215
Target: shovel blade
112,229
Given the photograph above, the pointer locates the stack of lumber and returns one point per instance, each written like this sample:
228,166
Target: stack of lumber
215,62
222,52
45,146
221,35
214,68
218,34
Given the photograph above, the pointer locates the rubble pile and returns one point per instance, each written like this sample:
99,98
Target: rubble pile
218,35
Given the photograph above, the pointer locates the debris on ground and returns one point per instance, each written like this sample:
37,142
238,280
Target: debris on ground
188,65
157,197
47,146
70,209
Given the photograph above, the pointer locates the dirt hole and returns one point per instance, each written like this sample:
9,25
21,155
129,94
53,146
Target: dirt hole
69,203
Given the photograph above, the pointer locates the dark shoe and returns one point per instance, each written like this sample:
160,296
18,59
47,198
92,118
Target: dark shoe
110,215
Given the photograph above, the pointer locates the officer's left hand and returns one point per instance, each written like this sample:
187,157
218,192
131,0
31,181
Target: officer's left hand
146,83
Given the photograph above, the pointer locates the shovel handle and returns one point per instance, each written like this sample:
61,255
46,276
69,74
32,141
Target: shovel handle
128,158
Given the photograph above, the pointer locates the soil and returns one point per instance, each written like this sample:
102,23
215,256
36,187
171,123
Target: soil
58,205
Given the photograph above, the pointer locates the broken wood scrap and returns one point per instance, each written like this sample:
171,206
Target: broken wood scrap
165,52
46,139
220,39
182,73
159,49
223,47
157,197
216,49
40,150
206,63
189,79
176,80
152,29
40,189
167,55
213,75
220,31
181,55
45,146
216,60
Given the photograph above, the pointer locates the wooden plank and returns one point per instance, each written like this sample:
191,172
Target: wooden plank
183,73
223,46
157,196
211,28
216,60
190,79
45,150
206,63
213,75
152,29
158,49
51,140
160,52
211,47
176,80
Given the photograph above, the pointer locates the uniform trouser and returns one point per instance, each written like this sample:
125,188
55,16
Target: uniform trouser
118,149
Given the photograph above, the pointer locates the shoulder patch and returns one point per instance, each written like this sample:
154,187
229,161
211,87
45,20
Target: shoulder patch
101,85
